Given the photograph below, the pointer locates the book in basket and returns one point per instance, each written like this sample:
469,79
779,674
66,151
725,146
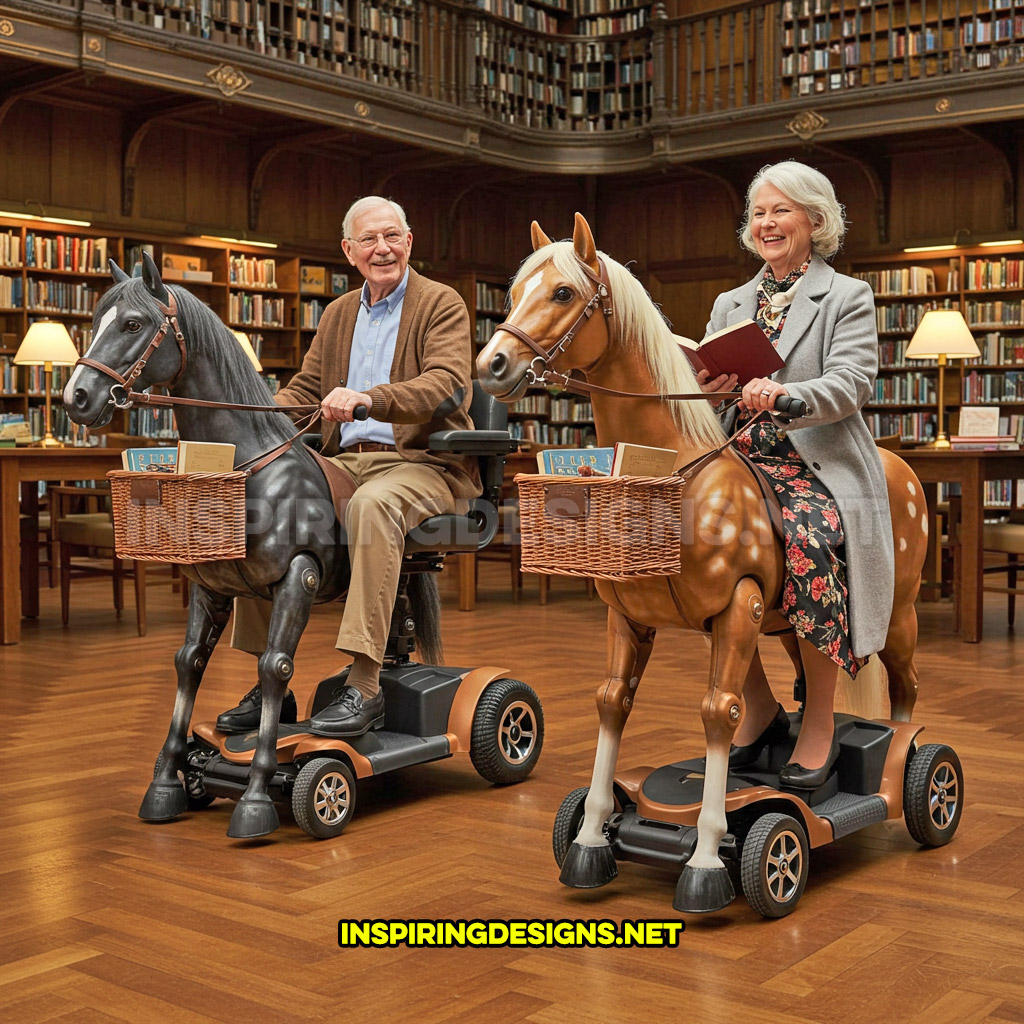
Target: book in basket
569,461
642,460
742,349
140,459
205,457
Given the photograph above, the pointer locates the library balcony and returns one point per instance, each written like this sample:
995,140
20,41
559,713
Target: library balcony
574,84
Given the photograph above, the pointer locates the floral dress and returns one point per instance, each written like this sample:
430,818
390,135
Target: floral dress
814,595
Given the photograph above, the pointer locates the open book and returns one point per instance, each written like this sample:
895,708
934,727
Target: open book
742,349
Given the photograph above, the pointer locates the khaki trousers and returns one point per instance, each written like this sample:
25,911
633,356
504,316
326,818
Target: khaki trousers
391,498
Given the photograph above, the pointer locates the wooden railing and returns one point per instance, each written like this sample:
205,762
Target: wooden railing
743,56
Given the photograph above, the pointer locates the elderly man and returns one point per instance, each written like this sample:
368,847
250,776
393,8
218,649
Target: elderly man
401,347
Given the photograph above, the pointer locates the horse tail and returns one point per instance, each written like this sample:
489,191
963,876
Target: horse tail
425,599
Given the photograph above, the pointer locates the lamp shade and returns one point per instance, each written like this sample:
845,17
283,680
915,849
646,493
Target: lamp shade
47,341
243,340
942,332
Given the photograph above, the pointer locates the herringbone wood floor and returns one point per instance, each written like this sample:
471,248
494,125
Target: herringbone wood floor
104,918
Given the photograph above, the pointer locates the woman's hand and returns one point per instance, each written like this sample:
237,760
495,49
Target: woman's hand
724,382
760,393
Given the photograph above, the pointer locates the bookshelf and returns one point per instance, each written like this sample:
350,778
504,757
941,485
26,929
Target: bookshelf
53,274
987,285
584,67
829,45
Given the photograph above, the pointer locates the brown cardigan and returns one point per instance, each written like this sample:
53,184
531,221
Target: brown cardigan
431,375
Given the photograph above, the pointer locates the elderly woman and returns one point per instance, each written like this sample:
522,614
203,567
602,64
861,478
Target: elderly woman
825,467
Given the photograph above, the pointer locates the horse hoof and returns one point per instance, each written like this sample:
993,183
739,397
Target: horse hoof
253,817
703,890
163,802
587,867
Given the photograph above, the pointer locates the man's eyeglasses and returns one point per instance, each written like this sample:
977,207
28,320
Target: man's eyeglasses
391,238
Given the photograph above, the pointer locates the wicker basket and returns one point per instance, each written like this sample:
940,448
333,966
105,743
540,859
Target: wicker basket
612,528
178,517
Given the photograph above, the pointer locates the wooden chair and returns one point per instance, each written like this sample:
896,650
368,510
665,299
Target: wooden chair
90,533
1006,539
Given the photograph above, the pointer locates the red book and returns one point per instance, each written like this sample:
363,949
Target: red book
742,349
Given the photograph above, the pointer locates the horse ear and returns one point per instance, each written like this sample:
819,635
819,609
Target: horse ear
538,237
117,273
583,243
154,282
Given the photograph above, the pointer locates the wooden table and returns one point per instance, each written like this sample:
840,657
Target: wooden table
970,470
20,470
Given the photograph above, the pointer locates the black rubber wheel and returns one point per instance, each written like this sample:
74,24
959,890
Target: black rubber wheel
774,864
324,797
567,823
933,794
508,732
195,789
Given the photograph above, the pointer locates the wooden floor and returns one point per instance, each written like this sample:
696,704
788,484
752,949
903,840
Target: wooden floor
104,918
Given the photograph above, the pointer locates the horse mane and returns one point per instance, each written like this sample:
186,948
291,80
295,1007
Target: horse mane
208,340
640,324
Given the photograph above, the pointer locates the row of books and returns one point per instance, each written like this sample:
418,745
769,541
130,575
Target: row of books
11,292
1002,273
62,296
904,317
993,386
10,248
999,348
984,314
255,310
252,271
185,457
905,388
543,432
910,426
66,252
899,280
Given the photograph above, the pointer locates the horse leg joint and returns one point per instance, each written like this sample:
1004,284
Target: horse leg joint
615,701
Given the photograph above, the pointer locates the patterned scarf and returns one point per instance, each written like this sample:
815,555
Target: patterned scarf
773,299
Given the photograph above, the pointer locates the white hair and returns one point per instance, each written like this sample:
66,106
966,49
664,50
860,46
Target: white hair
812,192
361,205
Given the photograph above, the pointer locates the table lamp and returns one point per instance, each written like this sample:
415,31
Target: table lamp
942,334
47,344
243,340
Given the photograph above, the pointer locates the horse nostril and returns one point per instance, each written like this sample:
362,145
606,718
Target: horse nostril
498,365
81,396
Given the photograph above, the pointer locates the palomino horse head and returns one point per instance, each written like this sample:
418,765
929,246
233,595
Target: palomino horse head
136,343
575,308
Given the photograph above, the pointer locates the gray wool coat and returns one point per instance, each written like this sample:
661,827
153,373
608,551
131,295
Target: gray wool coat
830,345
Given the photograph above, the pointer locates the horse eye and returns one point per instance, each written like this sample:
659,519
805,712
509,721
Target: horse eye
133,325
563,294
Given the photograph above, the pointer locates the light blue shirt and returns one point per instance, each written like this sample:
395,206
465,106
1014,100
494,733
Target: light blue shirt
373,352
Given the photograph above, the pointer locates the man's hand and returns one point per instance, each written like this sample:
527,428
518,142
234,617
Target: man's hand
340,405
724,382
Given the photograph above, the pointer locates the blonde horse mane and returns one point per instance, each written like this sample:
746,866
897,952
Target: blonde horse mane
639,323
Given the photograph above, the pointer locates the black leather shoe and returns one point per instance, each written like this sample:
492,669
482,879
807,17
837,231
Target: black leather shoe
795,776
246,716
776,731
349,714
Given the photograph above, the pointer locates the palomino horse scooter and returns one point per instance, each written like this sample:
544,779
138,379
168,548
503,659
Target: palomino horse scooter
731,576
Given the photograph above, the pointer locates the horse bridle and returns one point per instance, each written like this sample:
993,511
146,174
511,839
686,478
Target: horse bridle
545,357
119,392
